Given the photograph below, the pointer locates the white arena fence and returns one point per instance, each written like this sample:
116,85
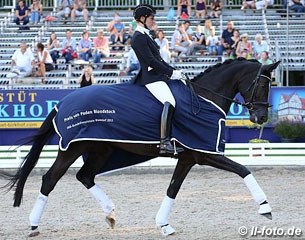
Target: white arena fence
256,154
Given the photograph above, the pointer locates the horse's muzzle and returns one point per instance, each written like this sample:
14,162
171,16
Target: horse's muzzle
259,117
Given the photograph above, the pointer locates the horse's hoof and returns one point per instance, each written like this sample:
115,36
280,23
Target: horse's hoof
264,208
34,233
167,230
267,215
110,219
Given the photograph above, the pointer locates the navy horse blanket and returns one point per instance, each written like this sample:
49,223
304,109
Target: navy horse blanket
131,114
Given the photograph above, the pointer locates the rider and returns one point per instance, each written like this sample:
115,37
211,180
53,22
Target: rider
154,72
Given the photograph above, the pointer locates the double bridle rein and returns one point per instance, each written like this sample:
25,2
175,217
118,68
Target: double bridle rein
249,105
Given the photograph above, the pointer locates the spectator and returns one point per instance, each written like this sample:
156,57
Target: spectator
259,46
216,8
87,78
184,9
164,46
236,40
212,43
296,6
198,41
119,30
110,27
200,9
264,59
64,9
36,12
226,39
188,28
79,9
101,47
180,41
53,47
22,14
44,62
132,63
207,28
244,46
23,62
85,46
69,47
248,4
116,30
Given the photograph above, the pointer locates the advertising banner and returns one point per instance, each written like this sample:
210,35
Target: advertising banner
27,108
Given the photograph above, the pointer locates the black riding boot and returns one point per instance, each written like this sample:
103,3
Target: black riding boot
166,146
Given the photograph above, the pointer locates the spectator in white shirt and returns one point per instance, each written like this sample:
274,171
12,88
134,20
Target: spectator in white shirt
164,46
259,46
132,63
44,61
23,62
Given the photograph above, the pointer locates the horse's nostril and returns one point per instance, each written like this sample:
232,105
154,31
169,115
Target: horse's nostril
264,119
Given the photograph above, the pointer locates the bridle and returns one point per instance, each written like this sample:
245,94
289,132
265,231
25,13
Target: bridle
254,85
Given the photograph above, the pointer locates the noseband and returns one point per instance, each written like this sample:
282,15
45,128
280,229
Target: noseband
254,85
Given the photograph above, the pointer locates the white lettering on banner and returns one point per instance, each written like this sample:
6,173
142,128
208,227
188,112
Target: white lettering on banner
26,110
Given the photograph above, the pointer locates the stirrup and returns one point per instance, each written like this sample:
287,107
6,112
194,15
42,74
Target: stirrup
166,147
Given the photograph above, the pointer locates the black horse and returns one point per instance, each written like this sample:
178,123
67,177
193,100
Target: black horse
218,84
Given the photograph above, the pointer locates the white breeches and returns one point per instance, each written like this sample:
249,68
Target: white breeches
162,92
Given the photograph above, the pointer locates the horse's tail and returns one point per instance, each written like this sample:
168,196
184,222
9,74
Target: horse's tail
38,141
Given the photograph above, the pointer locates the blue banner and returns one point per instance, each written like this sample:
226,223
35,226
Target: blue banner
27,108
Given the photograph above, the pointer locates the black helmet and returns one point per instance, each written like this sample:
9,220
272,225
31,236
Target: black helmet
143,10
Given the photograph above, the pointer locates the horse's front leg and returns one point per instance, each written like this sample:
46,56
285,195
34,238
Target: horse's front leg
222,162
182,169
86,175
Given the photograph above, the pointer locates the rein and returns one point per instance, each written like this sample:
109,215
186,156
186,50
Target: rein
248,105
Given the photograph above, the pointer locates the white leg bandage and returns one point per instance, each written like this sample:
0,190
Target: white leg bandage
164,211
37,210
105,202
256,191
162,92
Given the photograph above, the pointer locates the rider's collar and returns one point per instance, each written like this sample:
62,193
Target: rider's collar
142,30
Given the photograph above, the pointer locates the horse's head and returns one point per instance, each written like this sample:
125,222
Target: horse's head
256,92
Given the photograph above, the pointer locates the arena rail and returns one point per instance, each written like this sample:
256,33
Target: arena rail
256,154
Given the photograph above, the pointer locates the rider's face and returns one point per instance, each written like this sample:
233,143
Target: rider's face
150,22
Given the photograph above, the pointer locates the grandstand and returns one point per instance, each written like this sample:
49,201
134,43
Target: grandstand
286,39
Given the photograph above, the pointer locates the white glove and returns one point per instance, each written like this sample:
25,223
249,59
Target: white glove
177,74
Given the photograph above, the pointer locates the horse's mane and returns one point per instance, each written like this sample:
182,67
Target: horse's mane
218,65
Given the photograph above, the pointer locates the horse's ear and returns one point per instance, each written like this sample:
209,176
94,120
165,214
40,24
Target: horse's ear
271,67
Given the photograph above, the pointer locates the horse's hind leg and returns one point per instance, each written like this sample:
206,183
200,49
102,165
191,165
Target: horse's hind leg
63,161
222,162
182,169
92,166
